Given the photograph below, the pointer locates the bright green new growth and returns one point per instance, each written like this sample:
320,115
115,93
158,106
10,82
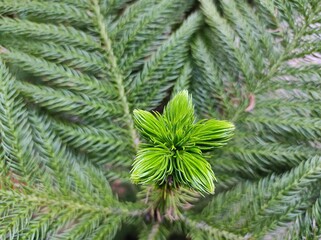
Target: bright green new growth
175,143
73,71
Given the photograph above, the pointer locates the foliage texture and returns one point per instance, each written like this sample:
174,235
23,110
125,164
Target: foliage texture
73,71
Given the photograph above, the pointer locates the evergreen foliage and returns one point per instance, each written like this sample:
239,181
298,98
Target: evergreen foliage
73,71
173,154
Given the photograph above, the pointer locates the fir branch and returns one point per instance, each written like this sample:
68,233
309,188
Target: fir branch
133,11
64,101
164,66
59,209
292,44
207,72
46,11
103,145
183,81
266,211
209,231
15,130
301,179
110,8
48,32
266,157
299,126
307,225
57,75
80,4
226,39
156,231
147,31
68,56
115,71
108,228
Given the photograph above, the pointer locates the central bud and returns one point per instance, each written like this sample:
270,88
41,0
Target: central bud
172,155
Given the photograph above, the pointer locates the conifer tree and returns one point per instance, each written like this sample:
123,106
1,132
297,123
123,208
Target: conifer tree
127,114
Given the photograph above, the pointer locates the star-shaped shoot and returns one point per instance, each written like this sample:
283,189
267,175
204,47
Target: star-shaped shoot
175,143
